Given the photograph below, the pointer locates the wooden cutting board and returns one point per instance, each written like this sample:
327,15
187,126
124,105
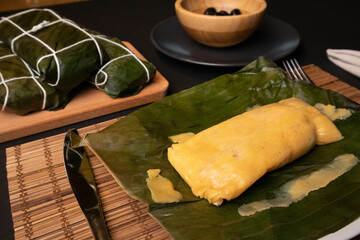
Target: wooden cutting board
43,205
86,104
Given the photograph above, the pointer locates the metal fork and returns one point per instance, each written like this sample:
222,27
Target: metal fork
294,70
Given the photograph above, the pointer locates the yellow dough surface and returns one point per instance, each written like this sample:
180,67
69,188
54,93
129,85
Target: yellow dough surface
162,190
332,112
221,162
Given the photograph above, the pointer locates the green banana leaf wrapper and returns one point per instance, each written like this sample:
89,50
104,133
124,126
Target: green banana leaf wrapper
64,54
61,53
21,91
139,142
123,74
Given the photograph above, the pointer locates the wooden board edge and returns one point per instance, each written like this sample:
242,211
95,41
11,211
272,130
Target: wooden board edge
46,120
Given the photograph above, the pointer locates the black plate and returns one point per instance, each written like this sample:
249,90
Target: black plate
274,39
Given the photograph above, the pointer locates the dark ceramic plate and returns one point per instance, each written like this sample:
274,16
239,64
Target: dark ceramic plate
274,39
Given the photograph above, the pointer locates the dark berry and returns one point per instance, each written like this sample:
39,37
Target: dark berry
210,11
235,12
222,13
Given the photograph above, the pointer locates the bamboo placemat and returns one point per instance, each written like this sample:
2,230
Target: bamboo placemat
43,205
327,81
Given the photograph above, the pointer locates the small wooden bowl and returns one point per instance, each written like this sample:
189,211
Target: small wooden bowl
220,31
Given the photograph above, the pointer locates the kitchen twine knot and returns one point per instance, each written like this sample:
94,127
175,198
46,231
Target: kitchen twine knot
40,26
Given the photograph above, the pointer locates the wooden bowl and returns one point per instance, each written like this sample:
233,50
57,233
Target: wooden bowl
220,31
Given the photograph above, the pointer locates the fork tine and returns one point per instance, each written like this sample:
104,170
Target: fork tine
305,77
289,70
295,71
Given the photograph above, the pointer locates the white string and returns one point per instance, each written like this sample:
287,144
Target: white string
39,26
32,76
6,92
7,56
52,12
4,81
15,79
37,39
36,72
23,34
130,52
39,85
56,59
23,12
80,29
53,52
106,75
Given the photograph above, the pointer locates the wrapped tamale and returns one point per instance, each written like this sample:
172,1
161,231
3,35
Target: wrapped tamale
21,91
62,53
124,74
65,54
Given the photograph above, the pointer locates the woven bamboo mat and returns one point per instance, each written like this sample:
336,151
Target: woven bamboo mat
44,207
327,81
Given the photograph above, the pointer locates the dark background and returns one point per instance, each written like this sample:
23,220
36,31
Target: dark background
322,24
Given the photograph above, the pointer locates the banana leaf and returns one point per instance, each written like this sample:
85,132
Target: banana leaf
123,74
21,91
62,54
139,142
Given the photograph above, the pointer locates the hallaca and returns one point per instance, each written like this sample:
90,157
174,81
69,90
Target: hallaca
123,74
63,54
59,51
21,91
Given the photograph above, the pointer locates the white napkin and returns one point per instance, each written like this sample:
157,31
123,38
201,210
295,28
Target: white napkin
348,60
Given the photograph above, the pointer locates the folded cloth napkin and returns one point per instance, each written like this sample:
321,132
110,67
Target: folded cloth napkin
347,59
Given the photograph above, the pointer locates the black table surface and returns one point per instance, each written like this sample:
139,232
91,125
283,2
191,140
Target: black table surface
322,24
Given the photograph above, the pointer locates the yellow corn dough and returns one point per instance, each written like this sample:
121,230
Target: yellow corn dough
332,112
222,161
162,190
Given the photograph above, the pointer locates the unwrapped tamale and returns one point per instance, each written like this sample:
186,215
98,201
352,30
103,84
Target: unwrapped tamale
123,74
21,91
222,161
